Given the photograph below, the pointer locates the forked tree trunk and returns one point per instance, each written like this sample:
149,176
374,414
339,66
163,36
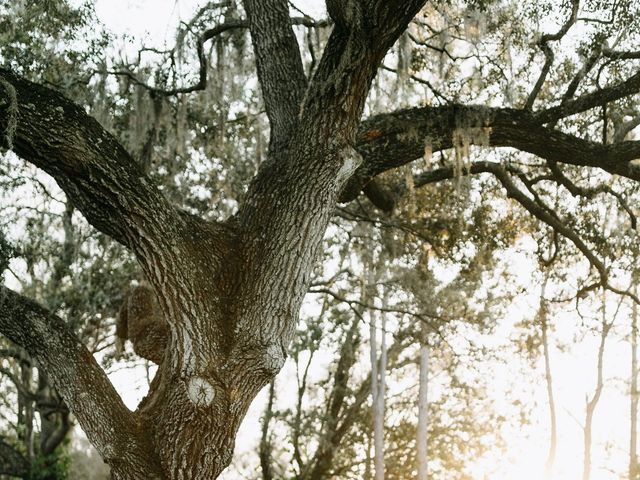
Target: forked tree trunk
229,292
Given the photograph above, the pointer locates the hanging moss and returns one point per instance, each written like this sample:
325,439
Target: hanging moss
10,104
472,128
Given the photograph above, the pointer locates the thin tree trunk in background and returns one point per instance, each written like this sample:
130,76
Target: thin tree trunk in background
423,407
378,390
297,425
367,467
553,438
381,391
375,390
633,441
265,445
26,373
593,402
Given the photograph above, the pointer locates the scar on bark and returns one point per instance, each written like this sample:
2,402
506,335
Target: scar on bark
141,321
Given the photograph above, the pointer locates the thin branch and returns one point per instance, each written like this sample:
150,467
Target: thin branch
589,193
204,37
422,81
543,44
424,317
541,212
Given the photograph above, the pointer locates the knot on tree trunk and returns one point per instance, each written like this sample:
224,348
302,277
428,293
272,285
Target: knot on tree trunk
141,321
351,160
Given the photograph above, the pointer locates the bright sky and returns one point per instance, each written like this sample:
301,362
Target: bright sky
574,371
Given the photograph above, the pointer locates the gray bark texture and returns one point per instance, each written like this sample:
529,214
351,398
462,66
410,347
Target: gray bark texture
222,299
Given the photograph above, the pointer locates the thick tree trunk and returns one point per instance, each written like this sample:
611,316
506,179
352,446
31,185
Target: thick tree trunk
229,293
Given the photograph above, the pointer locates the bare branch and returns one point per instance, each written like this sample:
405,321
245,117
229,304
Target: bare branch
588,193
541,212
543,43
202,61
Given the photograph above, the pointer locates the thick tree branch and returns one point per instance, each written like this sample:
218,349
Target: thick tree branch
390,140
89,164
110,426
620,55
279,65
590,100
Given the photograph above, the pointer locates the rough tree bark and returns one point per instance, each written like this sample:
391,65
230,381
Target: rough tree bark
230,292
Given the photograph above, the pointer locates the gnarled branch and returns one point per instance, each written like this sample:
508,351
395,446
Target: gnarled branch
94,170
110,426
391,140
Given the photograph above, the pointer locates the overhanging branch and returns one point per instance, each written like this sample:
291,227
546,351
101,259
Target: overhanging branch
94,170
391,140
110,426
541,212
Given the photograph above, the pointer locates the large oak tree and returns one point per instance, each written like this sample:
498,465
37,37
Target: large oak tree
230,292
